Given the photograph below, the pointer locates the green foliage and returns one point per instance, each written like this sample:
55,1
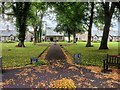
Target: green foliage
99,15
16,56
64,27
69,17
40,62
70,14
92,55
37,12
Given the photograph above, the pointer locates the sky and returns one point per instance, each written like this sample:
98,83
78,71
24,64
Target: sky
50,19
49,22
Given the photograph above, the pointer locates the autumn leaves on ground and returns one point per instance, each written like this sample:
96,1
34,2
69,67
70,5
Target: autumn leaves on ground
59,72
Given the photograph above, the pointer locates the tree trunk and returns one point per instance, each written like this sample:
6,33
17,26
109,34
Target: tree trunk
105,34
108,16
119,33
68,37
40,27
21,10
21,44
40,35
3,10
22,35
90,26
35,30
35,34
74,37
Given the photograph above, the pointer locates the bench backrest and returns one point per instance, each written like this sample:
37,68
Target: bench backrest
115,59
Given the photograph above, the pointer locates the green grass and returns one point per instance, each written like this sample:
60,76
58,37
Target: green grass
16,56
40,62
63,42
44,43
92,55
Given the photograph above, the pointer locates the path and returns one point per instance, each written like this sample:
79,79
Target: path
40,77
55,53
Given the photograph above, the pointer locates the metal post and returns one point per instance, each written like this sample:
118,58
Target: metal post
1,65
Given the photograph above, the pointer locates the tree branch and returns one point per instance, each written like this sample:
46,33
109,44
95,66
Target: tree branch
9,13
117,4
111,11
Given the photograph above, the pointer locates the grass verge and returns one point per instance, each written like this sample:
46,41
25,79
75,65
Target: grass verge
16,56
92,55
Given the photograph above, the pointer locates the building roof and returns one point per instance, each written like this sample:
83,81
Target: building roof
8,33
51,32
100,33
54,35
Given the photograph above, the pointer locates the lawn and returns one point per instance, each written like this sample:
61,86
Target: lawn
16,56
44,43
92,55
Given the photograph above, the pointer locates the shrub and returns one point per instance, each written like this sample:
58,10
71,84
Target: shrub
40,62
63,83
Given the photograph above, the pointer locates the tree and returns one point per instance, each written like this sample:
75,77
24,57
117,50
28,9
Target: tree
42,7
6,11
70,14
66,28
90,25
33,21
108,12
37,13
3,9
21,10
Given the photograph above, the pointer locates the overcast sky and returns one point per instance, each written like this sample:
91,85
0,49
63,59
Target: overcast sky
49,21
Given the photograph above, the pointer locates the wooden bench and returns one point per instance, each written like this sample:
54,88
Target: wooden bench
111,60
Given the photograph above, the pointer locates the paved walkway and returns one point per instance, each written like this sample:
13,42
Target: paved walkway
55,53
40,77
